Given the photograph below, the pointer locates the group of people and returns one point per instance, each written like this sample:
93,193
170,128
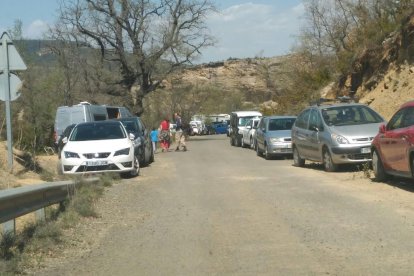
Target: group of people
163,136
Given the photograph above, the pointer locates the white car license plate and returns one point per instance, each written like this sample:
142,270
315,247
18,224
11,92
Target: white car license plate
97,163
365,150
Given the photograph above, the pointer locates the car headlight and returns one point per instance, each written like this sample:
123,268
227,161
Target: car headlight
276,140
69,154
122,152
339,139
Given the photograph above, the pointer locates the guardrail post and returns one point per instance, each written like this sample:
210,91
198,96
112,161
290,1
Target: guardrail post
9,226
40,214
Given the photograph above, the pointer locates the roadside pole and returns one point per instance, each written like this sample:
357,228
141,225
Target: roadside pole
10,85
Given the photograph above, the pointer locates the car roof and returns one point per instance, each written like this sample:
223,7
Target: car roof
280,117
124,119
247,113
105,122
407,104
324,106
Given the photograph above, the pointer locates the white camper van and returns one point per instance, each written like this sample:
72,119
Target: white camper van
85,112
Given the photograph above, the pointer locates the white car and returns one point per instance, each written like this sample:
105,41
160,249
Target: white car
249,133
96,147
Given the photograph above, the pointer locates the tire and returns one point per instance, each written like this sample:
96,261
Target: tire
258,150
377,167
243,145
237,142
297,160
328,163
151,160
266,153
136,170
251,142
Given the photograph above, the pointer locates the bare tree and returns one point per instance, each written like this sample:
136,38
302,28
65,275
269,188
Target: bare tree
145,39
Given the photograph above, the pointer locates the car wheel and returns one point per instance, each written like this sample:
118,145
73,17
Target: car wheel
136,170
328,163
297,160
242,143
377,167
152,156
266,154
237,142
251,143
258,150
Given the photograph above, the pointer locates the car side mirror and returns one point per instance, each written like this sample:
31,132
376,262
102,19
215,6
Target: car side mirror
382,128
65,140
314,128
131,136
249,127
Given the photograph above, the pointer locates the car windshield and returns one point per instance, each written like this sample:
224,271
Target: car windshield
244,120
281,124
89,132
350,115
131,126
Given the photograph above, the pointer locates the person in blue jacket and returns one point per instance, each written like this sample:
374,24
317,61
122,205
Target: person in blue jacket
154,139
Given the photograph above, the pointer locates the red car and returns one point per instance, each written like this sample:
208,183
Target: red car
393,147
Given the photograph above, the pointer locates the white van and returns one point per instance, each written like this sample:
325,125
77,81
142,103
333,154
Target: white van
238,120
85,112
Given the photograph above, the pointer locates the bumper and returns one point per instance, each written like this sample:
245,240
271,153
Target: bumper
280,148
119,164
351,154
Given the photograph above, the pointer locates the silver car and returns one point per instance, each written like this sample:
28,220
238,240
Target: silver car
335,134
273,136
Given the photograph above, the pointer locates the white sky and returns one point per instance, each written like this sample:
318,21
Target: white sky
242,28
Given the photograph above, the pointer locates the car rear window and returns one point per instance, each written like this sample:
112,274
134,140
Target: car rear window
281,124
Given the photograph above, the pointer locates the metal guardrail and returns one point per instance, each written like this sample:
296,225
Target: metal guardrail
23,200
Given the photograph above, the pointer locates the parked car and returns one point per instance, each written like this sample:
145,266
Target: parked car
393,148
335,134
273,136
210,129
142,140
66,134
220,127
249,133
103,146
238,121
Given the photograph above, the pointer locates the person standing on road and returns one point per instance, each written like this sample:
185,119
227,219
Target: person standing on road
179,135
154,139
165,134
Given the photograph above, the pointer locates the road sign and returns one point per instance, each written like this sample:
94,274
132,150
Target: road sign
15,86
14,59
10,60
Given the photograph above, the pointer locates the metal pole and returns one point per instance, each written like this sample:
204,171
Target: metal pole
8,109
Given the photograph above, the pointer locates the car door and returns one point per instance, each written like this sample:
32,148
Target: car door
246,130
145,139
313,141
260,133
390,142
300,133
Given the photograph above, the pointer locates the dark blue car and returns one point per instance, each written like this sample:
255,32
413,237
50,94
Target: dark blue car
220,128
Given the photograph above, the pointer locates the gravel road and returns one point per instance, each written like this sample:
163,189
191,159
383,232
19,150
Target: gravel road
222,210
